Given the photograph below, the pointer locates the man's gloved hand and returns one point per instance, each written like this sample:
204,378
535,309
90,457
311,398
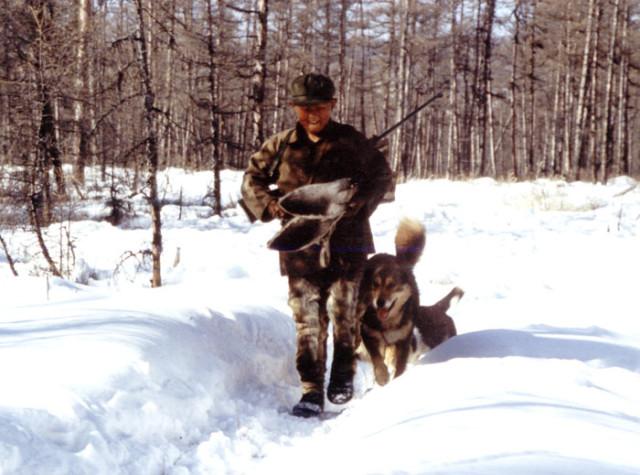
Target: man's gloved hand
275,210
354,206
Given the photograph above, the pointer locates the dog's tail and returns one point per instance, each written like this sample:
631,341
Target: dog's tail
410,241
445,302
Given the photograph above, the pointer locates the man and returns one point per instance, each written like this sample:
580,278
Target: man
320,150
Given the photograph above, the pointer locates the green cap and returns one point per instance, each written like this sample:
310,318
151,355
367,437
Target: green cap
311,89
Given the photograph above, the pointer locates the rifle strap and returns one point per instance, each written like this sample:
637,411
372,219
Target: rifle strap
278,158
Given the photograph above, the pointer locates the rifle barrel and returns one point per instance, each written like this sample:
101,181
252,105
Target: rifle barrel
378,137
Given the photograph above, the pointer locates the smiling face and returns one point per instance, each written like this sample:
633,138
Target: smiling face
315,117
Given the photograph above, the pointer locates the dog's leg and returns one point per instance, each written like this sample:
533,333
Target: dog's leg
402,350
372,344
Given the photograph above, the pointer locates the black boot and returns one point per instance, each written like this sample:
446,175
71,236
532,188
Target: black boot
340,392
311,404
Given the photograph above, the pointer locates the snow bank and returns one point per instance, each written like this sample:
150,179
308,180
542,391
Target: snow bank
102,375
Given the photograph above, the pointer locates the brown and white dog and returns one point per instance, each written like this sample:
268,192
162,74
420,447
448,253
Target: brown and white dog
389,306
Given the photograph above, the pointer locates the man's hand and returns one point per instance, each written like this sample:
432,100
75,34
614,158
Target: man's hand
275,211
354,206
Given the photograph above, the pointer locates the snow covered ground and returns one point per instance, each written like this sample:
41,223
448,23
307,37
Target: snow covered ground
102,375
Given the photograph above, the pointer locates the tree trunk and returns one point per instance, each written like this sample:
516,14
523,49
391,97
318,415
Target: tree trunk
167,153
81,147
342,66
362,73
552,152
327,38
401,82
259,74
621,157
513,87
464,134
281,71
5,128
567,103
8,255
390,69
451,166
48,151
587,167
214,117
487,160
580,113
532,165
473,97
37,226
607,139
151,144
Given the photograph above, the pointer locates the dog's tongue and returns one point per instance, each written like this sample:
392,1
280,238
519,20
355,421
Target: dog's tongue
383,313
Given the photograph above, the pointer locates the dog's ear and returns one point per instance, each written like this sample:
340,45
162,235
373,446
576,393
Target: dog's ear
410,240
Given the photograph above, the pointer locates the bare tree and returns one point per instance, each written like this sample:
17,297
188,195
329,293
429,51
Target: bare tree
604,164
487,159
213,43
37,227
513,88
8,255
151,140
342,61
621,159
82,88
48,155
260,73
583,89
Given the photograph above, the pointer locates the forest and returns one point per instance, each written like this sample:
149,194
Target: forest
526,89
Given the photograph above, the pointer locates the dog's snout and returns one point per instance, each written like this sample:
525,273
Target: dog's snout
379,302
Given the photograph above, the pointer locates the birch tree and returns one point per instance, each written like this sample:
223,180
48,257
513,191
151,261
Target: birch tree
260,73
605,162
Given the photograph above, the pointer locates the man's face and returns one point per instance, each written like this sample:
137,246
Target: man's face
314,118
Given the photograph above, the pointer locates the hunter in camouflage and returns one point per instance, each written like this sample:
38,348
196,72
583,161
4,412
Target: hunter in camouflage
320,150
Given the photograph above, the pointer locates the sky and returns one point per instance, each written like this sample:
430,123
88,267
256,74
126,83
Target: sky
103,375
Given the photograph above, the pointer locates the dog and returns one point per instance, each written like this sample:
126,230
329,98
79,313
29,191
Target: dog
389,306
433,323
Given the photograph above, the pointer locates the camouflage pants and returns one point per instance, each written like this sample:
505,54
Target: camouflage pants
315,300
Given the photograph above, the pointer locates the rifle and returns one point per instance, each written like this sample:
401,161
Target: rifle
376,138
390,194
372,140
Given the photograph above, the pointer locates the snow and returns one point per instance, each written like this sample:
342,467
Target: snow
103,375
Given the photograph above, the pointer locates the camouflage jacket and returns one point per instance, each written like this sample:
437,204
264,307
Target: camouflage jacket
342,152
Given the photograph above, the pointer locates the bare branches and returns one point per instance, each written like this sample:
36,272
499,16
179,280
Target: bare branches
37,227
235,8
8,255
